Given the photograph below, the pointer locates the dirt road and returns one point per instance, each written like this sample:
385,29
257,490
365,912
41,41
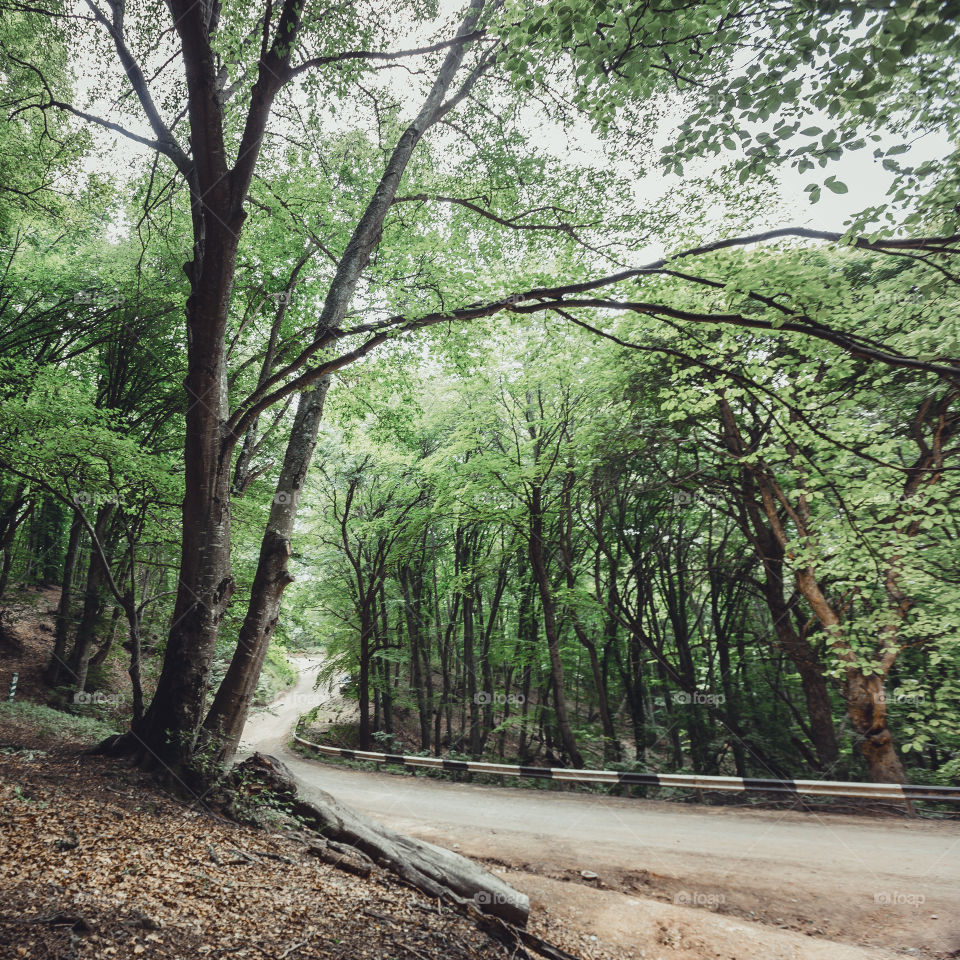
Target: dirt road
678,882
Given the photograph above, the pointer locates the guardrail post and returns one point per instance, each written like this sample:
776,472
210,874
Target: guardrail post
13,687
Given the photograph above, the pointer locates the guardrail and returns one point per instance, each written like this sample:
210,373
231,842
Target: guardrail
829,788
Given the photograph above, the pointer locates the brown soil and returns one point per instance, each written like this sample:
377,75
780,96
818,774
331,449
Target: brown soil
96,862
30,615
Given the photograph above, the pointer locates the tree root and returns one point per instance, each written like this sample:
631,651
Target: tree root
439,873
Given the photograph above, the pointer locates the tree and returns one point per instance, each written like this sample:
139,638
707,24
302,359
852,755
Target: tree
238,90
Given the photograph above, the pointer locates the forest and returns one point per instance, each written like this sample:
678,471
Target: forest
582,377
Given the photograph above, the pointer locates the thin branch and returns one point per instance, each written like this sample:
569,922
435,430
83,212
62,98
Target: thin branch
387,55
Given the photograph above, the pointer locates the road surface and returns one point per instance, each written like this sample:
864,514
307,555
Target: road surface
674,880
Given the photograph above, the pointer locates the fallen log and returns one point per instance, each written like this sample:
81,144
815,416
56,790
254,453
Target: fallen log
431,869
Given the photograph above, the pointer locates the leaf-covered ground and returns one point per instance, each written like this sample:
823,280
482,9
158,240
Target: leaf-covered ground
96,862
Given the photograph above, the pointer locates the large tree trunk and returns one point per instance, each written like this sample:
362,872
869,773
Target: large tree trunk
815,691
355,258
813,680
865,705
167,732
766,534
228,714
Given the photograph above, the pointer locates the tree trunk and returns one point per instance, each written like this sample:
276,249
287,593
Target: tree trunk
867,709
228,714
363,683
813,680
411,583
93,601
136,684
57,665
540,575
436,872
167,733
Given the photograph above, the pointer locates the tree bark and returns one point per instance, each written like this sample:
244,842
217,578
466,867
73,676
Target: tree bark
57,663
228,714
542,579
93,602
411,584
181,689
436,872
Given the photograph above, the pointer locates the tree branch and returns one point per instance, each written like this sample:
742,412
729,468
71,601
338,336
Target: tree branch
387,55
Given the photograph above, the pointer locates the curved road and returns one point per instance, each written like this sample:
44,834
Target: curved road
821,885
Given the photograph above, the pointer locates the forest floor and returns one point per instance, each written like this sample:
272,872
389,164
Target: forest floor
674,881
95,861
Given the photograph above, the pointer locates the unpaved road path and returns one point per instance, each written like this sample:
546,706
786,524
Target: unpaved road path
675,882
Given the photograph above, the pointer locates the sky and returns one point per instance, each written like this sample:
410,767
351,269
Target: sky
864,176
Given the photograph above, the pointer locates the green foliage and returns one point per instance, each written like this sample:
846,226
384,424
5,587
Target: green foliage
278,674
46,722
593,131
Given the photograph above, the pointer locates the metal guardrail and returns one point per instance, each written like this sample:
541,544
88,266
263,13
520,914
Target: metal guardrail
830,788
